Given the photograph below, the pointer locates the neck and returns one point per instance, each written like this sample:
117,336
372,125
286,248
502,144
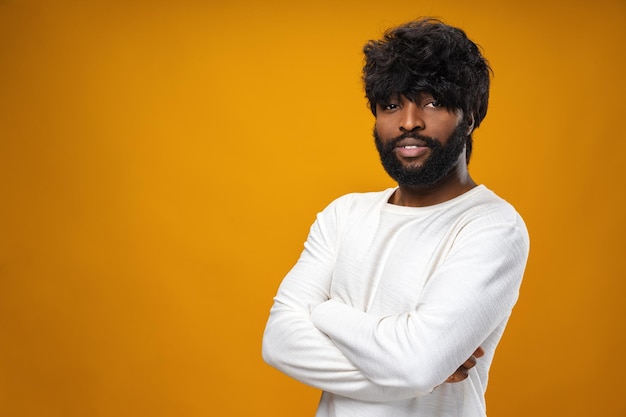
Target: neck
453,184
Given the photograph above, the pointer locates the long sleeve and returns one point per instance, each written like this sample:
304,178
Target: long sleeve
293,344
468,297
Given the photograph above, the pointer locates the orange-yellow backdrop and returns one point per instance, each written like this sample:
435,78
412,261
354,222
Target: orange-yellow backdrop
161,162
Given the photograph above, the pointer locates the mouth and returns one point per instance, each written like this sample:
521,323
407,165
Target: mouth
410,149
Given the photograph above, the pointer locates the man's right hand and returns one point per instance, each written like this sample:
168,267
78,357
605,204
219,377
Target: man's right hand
462,372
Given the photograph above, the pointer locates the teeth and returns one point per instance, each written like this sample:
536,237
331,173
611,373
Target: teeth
410,147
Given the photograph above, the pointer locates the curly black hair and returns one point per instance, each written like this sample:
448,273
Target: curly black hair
428,55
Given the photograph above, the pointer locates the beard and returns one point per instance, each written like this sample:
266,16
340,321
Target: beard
440,162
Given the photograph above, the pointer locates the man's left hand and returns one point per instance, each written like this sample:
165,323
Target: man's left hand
463,370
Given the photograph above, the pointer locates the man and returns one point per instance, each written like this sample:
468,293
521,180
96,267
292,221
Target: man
399,293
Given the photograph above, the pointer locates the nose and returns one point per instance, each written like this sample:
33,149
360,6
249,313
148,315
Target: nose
412,117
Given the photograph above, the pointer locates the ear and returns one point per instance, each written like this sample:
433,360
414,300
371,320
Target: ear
470,128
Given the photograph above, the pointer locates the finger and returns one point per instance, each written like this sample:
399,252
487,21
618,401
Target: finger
463,371
479,352
459,375
469,363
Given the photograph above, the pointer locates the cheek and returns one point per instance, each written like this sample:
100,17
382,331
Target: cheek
382,129
444,128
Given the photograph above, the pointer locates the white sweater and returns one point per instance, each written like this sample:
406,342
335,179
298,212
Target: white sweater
387,301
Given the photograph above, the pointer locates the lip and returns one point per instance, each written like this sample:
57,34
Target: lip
410,148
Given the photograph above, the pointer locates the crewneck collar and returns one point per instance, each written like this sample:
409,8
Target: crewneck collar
425,209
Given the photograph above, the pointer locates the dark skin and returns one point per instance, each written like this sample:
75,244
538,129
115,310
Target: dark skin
426,117
463,371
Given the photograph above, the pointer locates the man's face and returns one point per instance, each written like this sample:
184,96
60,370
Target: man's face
419,141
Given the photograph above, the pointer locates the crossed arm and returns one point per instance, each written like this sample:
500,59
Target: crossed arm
336,348
294,345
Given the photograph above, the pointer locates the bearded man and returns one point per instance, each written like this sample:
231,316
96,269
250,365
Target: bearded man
400,297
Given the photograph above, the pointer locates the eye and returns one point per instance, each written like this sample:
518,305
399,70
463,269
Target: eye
388,106
433,103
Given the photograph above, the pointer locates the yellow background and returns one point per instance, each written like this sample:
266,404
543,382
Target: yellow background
161,162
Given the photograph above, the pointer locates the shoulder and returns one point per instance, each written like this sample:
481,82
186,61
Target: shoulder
484,203
359,202
484,211
353,209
